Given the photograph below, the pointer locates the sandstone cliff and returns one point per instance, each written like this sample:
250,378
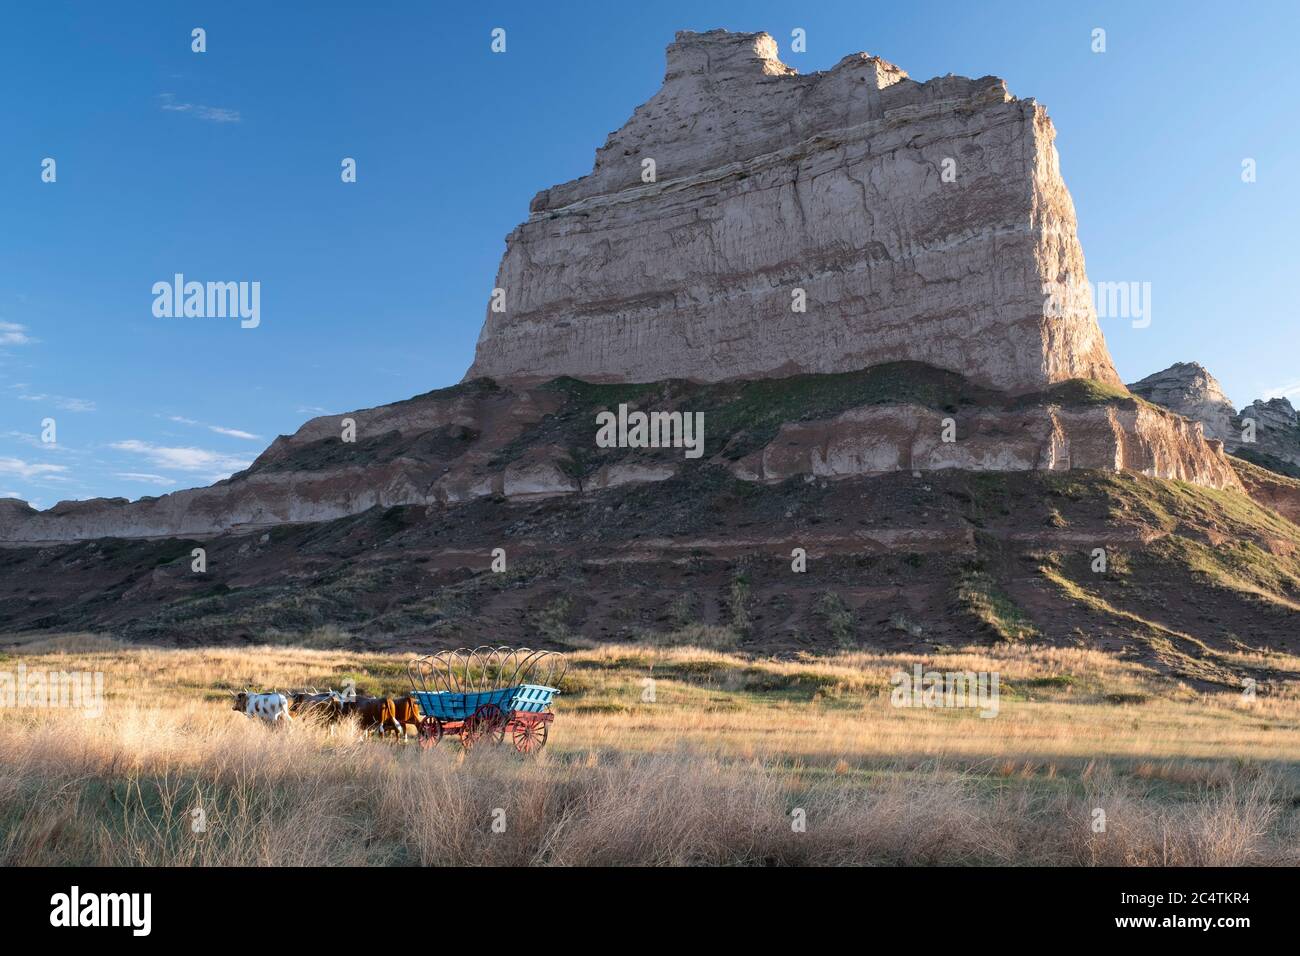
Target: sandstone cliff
767,182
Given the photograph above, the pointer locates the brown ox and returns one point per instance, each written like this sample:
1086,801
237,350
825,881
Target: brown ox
374,713
326,708
407,711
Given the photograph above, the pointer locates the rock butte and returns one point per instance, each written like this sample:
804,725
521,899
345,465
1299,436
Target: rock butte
768,181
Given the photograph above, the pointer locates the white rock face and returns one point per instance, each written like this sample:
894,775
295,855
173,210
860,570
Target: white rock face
1274,415
767,182
538,475
877,439
615,476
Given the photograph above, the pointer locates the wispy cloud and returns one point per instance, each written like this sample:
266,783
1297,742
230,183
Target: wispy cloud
29,470
64,402
1283,391
27,438
184,458
73,404
213,114
11,333
234,432
219,429
146,478
217,114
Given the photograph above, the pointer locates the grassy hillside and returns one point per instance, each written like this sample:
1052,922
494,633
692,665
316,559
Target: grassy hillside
1198,583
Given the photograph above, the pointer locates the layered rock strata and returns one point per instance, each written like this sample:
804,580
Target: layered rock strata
919,221
883,438
477,441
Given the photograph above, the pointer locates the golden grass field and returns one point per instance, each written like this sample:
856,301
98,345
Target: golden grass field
716,769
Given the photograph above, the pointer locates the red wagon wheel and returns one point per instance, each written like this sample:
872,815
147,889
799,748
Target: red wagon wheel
430,729
529,733
487,723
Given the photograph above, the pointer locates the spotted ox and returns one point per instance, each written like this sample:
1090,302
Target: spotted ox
272,708
374,713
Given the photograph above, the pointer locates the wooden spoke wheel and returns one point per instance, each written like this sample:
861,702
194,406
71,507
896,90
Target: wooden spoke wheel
487,723
529,733
430,729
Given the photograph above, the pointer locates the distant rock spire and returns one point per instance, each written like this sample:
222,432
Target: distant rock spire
1190,390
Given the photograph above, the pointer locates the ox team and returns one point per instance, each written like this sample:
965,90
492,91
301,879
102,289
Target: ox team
380,714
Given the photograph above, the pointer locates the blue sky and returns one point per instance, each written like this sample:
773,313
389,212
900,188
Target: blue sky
225,166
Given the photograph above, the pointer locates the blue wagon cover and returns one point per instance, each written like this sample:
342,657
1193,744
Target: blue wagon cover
449,705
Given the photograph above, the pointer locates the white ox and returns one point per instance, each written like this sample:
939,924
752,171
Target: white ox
272,708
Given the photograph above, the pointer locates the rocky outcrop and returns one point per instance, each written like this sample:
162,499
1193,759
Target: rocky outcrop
921,221
1190,390
617,475
1277,433
1266,432
432,449
885,438
1275,415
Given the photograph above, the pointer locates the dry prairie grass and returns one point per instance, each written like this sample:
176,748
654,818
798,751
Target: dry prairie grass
711,772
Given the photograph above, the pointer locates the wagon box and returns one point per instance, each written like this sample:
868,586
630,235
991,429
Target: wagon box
449,705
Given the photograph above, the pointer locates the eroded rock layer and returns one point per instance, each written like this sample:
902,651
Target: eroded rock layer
479,441
767,182
879,439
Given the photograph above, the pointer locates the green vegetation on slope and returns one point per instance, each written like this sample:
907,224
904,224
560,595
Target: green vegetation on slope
980,599
744,416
